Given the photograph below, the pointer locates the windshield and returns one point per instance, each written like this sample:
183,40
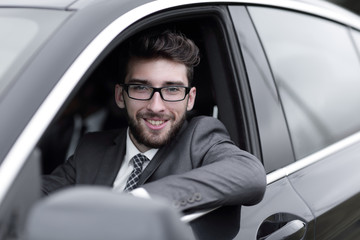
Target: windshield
23,31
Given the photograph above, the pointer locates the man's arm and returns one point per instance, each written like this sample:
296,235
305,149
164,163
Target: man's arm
62,176
223,174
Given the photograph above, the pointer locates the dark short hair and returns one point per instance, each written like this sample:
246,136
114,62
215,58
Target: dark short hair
167,44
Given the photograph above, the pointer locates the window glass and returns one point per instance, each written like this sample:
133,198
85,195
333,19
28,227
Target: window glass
316,70
22,33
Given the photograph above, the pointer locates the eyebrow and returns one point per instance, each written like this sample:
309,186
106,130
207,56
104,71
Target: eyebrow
138,81
146,82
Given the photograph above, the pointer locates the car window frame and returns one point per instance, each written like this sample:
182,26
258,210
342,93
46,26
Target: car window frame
275,154
76,73
68,82
34,129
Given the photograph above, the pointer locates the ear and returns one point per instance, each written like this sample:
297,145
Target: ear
191,99
119,97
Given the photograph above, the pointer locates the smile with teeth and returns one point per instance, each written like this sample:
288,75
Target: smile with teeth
155,122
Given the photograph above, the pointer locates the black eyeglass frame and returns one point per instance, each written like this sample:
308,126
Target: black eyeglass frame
154,90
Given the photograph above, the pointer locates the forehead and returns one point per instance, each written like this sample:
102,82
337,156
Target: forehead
157,71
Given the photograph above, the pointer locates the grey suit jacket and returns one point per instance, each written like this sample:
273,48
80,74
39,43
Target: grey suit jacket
201,168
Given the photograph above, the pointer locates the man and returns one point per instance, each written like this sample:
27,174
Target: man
193,164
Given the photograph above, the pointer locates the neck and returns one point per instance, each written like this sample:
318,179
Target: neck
141,147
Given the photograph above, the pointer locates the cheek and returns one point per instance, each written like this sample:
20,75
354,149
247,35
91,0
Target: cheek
179,110
132,108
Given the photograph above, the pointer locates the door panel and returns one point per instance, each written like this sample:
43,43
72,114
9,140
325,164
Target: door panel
282,205
20,197
331,187
282,213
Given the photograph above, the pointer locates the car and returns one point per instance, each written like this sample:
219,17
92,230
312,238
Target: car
283,76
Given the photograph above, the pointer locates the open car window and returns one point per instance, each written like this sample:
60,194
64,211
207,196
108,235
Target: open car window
217,96
92,103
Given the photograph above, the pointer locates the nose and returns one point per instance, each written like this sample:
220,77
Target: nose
156,104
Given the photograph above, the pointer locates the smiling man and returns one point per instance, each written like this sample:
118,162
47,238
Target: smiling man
160,87
194,165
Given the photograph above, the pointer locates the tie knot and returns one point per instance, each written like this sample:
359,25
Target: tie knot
138,160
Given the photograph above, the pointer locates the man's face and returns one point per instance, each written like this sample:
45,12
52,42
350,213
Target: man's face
154,122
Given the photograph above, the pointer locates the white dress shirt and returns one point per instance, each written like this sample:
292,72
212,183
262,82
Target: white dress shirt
127,167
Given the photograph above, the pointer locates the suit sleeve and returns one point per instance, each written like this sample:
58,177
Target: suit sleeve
223,174
62,176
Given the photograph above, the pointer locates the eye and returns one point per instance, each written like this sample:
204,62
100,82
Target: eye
173,89
140,88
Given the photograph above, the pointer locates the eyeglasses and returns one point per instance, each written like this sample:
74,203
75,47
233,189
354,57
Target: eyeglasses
143,92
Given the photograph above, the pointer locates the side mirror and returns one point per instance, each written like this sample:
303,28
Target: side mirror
93,213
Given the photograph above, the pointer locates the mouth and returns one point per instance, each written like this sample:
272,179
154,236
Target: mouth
155,124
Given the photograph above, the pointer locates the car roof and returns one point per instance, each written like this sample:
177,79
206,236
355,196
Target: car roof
327,5
55,4
64,4
322,7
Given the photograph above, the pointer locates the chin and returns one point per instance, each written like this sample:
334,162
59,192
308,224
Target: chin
155,143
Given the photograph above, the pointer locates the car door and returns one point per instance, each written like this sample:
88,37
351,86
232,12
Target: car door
315,67
282,208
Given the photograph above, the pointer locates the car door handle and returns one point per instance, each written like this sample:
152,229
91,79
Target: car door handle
293,230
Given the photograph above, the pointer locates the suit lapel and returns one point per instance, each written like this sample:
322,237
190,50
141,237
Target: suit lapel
111,161
160,156
153,165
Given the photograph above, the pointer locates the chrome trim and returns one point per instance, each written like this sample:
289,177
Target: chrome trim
190,217
23,146
313,158
276,175
292,168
